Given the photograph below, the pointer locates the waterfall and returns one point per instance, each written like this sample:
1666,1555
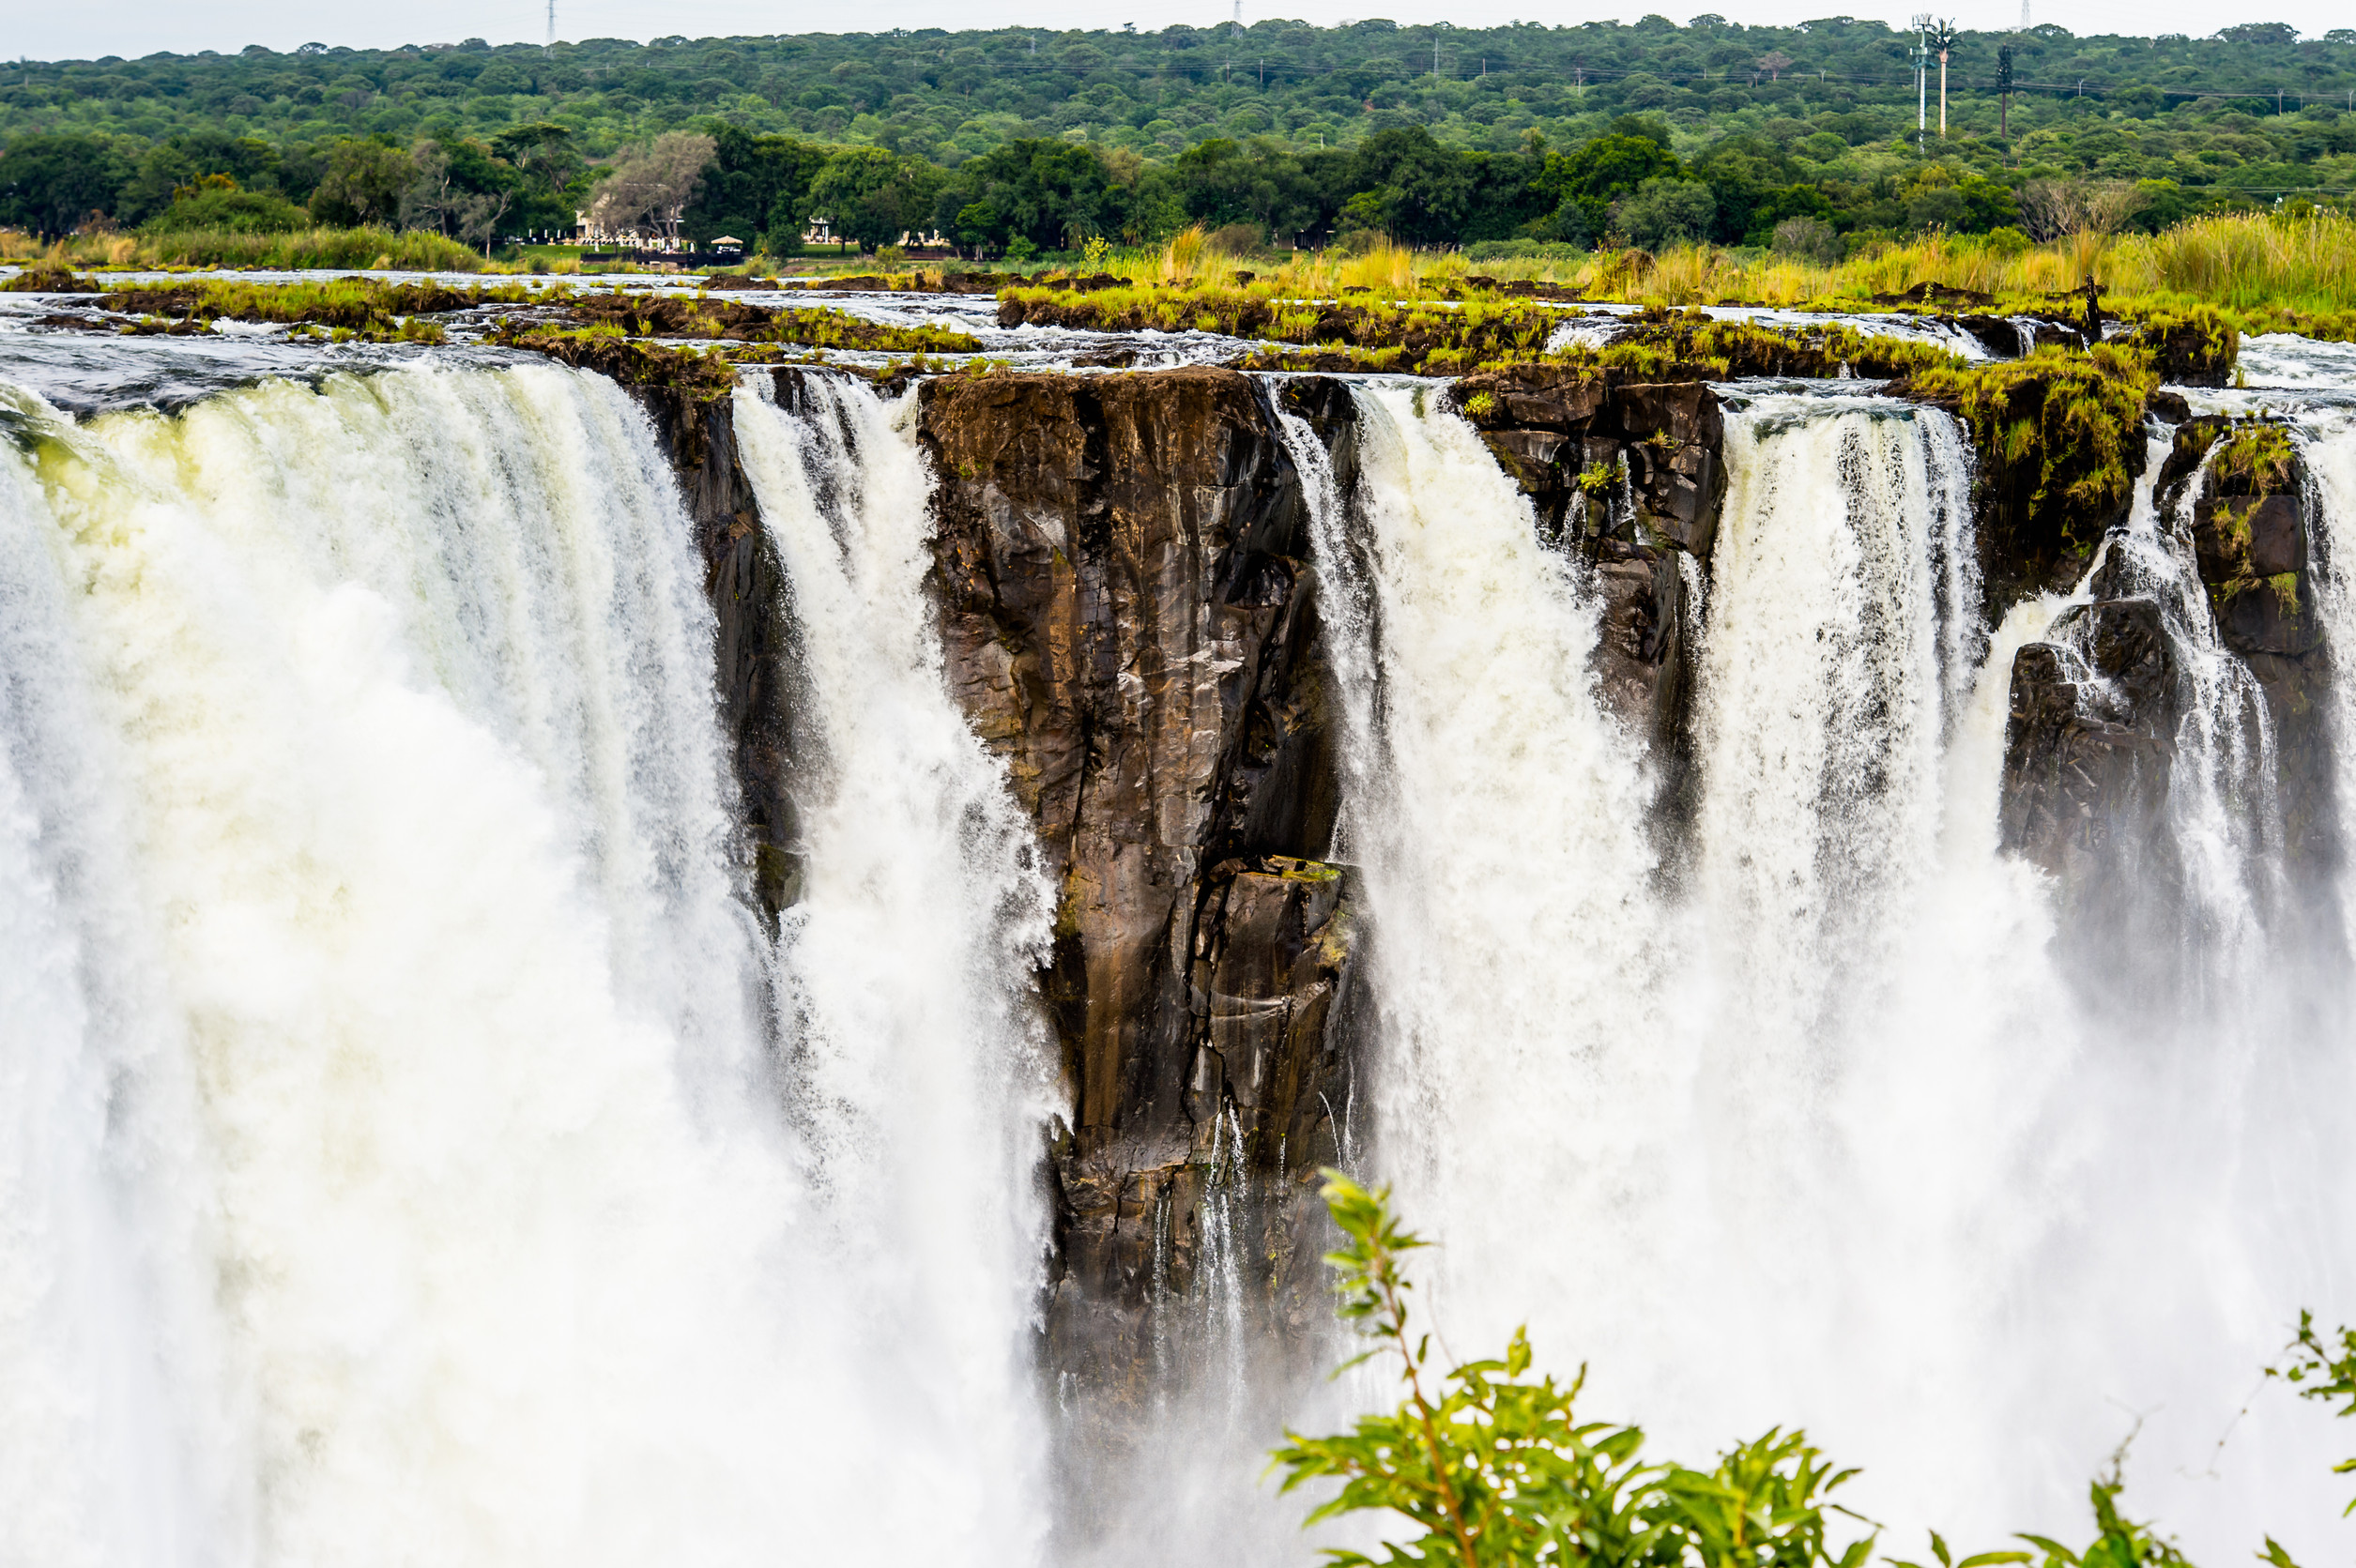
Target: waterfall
1821,697
99,1237
1498,823
1809,1123
395,1167
2326,443
909,962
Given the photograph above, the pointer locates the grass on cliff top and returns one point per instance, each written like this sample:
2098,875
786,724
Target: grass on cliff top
2255,460
2264,272
1659,344
375,310
2077,416
406,250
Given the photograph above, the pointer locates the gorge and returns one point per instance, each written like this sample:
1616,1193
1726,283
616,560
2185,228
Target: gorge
607,974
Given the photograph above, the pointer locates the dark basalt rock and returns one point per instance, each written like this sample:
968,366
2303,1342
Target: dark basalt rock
2089,750
2251,537
2090,746
1129,620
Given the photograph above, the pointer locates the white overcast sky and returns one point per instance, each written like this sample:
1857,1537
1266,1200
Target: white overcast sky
86,29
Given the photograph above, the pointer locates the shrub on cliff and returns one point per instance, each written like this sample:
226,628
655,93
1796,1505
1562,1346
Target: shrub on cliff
2322,1366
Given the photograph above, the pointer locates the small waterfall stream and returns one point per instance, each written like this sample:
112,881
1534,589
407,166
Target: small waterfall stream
917,1056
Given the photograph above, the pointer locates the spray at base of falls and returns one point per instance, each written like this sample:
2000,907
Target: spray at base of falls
917,1053
1818,1131
431,1142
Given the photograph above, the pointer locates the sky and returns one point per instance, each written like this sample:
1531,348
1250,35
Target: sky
45,29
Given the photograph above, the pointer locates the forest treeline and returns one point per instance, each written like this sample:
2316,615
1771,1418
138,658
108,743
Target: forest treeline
1036,140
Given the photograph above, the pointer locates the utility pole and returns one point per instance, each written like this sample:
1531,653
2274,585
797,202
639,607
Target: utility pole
2004,98
1943,39
552,28
1922,77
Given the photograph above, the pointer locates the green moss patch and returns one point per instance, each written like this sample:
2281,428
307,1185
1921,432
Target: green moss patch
2059,434
2255,460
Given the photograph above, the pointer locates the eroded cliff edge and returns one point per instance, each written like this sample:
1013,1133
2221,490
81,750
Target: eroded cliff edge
1129,617
1130,620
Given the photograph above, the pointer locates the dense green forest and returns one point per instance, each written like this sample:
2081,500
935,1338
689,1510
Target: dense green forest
1031,139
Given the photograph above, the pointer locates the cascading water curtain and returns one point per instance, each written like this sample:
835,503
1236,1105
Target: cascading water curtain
1497,822
2327,443
397,1167
1817,1130
919,1058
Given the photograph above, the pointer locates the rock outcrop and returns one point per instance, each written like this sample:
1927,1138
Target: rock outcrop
2100,707
2089,748
1129,620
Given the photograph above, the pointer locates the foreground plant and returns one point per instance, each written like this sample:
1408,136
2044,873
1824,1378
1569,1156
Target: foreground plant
1493,1468
2323,1366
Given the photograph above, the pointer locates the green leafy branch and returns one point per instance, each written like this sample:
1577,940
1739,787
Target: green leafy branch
2327,1367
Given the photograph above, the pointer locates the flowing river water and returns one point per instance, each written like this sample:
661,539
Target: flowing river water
416,1150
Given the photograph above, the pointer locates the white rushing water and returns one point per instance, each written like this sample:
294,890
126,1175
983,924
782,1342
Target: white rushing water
917,1048
2327,442
395,1171
1814,1128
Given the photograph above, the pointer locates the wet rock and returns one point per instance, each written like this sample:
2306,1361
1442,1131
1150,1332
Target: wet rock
2251,540
2089,745
1129,619
752,652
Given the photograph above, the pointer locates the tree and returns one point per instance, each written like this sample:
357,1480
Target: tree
1663,212
1601,171
1050,191
544,153
430,198
51,185
362,183
479,217
648,188
875,196
1809,239
755,185
214,202
1775,63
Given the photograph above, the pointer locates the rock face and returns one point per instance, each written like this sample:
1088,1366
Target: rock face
754,659
1129,620
1632,476
2098,708
2087,752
